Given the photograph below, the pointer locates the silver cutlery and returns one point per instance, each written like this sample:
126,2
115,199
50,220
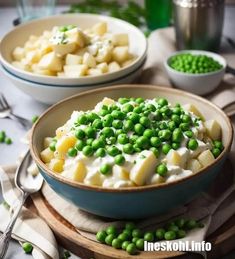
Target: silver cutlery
27,184
6,112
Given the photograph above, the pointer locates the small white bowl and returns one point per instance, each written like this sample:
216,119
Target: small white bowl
51,94
19,35
200,84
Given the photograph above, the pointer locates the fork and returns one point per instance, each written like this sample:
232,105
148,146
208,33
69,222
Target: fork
6,112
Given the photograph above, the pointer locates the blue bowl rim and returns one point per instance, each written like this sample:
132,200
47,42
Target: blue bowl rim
151,187
74,86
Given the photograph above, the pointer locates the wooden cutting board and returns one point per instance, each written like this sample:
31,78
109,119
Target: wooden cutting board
223,240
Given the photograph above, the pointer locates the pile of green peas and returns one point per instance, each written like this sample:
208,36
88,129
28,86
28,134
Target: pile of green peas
131,238
4,138
130,126
194,64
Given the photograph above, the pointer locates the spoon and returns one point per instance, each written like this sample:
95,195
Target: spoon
27,184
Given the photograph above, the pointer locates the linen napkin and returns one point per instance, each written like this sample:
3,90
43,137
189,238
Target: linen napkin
213,207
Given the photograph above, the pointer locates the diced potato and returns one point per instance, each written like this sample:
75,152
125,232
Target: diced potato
206,158
61,74
123,183
73,59
32,56
120,54
113,67
64,143
21,65
143,169
120,172
174,158
94,72
44,47
33,38
156,179
201,147
194,165
94,178
47,141
89,60
120,39
104,55
103,67
29,46
127,62
56,165
75,70
45,72
51,62
213,129
46,155
33,170
184,156
76,36
81,52
63,49
191,108
18,53
100,28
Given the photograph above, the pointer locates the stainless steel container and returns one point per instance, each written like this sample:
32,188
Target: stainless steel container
198,23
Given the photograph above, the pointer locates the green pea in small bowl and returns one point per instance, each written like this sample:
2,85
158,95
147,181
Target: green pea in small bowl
132,202
197,83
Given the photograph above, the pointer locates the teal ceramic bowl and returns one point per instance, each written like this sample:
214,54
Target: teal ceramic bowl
134,202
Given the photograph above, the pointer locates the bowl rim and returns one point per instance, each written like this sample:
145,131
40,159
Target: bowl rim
46,77
9,73
192,51
151,187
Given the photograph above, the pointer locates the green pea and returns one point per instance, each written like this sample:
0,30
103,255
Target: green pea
127,108
105,169
34,118
117,124
123,237
161,169
142,142
181,233
140,244
189,133
136,233
155,151
175,146
89,141
113,151
80,144
165,134
180,222
170,235
2,136
82,120
177,135
139,129
186,118
97,124
103,112
125,244
128,148
171,125
130,226
200,225
134,239
117,243
98,143
107,132
79,134
123,139
87,151
92,116
192,144
162,102
128,232
90,132
173,228
128,125
72,152
218,144
148,236
101,235
100,152
145,121
176,119
160,233
28,248
176,111
184,126
8,141
166,148
131,249
111,230
118,115
109,239
148,133
119,159
190,224
107,120
216,152
155,141
123,100
52,146
134,117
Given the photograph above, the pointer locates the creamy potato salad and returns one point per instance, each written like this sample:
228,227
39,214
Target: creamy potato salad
133,142
68,51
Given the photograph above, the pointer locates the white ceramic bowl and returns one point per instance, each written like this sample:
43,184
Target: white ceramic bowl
51,94
200,84
19,35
